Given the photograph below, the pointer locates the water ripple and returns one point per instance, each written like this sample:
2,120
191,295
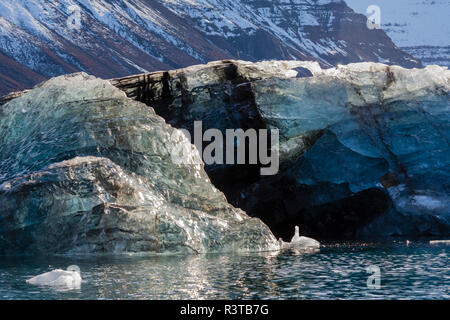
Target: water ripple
336,272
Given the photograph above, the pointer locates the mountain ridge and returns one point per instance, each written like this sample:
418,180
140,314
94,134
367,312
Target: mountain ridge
420,28
125,37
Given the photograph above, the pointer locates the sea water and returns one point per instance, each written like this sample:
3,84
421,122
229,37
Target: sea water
337,271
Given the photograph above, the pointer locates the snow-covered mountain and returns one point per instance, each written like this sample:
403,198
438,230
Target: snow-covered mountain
111,38
420,27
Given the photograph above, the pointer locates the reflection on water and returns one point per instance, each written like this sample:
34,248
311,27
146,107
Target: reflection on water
419,271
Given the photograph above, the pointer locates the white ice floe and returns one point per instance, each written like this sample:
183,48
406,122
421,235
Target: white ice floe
440,242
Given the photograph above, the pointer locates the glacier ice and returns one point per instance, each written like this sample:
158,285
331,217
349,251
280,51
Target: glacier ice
364,147
84,169
383,128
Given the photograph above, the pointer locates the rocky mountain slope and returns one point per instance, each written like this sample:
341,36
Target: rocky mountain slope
421,28
123,37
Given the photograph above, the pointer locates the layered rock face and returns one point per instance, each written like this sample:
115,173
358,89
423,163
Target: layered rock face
84,169
364,147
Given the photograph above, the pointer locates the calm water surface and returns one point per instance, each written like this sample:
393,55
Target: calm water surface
418,271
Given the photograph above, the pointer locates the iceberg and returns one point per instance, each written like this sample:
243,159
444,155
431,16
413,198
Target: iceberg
380,166
84,169
364,147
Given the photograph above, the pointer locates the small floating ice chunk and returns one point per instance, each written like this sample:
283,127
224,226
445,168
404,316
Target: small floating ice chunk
69,278
440,242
